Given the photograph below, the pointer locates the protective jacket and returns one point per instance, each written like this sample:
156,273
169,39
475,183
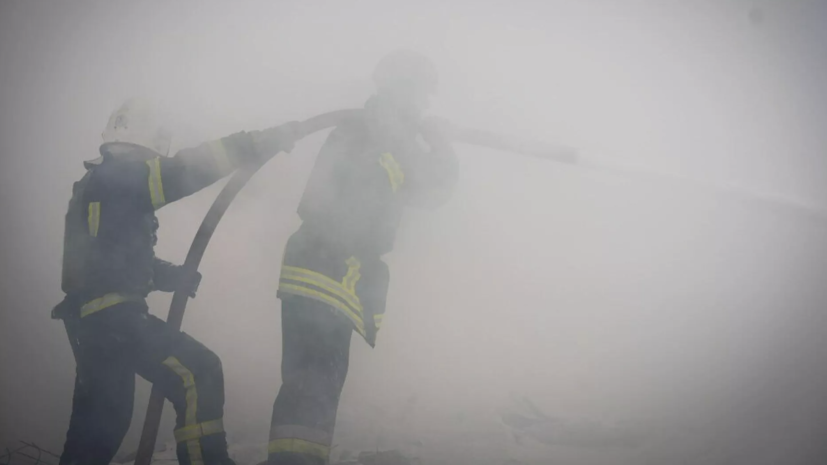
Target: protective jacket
111,227
351,210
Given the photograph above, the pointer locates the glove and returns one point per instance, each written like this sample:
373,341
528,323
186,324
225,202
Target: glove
269,142
190,286
170,278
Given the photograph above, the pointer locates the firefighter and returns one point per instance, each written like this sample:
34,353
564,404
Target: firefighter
333,280
109,267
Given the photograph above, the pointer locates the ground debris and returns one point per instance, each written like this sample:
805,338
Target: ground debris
28,453
384,457
553,430
242,453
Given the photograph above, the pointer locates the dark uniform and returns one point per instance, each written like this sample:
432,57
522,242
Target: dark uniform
109,267
333,280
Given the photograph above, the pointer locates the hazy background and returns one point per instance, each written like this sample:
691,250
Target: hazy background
600,297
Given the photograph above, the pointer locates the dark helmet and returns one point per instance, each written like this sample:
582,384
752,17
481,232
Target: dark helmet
405,71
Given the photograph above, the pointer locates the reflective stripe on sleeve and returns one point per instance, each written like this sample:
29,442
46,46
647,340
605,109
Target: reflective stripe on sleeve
156,186
94,218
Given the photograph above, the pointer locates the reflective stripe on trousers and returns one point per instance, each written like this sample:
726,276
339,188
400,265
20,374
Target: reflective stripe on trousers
189,433
192,431
300,440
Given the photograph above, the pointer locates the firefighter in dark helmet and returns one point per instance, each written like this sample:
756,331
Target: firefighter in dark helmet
333,280
109,267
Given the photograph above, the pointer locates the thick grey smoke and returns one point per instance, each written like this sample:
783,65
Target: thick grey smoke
692,316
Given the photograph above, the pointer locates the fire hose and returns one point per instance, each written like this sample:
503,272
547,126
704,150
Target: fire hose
456,134
146,446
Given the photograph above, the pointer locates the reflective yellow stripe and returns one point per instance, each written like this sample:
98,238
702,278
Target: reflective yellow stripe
316,295
299,446
319,280
352,276
332,291
219,154
191,394
300,432
189,387
156,187
188,433
377,320
94,218
106,301
395,174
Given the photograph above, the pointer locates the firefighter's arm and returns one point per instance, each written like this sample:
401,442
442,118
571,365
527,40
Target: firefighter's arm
193,169
169,278
437,171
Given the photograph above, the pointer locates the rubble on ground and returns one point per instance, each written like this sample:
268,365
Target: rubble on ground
27,453
518,434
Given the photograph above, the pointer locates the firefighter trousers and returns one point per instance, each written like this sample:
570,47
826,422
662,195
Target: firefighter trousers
315,354
114,344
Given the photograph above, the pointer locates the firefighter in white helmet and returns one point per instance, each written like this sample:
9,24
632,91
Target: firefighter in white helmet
109,267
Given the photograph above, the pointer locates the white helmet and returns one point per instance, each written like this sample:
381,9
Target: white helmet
136,122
